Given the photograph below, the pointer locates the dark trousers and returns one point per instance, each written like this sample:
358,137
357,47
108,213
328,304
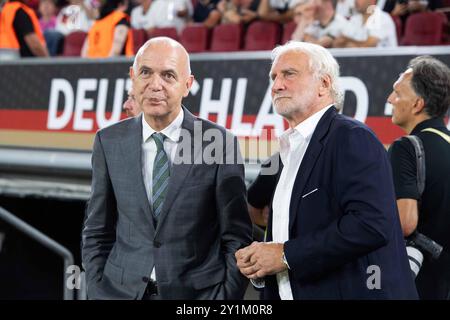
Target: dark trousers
433,280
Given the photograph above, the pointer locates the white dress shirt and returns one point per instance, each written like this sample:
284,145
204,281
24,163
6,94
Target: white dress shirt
293,145
172,133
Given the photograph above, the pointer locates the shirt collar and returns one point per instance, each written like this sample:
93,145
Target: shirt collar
306,128
172,131
303,132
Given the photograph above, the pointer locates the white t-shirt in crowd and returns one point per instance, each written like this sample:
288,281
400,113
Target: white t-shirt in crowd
139,19
379,25
334,29
283,4
74,18
345,8
163,14
381,3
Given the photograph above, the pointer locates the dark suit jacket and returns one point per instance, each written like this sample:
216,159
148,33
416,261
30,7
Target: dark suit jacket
203,222
349,223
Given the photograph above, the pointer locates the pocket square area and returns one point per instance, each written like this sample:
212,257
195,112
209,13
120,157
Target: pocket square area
309,193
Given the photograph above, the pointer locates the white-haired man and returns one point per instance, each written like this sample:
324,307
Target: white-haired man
333,231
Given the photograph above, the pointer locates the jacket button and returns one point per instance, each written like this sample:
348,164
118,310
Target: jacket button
145,279
156,244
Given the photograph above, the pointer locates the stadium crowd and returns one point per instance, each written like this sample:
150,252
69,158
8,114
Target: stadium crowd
93,28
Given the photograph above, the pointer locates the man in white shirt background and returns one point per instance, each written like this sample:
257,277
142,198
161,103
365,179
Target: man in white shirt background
140,15
370,27
328,24
281,11
162,14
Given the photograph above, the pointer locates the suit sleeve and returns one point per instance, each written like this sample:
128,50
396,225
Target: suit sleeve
363,191
261,191
98,234
235,224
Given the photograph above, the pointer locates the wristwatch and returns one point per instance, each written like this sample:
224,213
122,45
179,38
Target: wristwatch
284,260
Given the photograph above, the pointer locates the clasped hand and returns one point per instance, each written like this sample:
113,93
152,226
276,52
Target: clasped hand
260,259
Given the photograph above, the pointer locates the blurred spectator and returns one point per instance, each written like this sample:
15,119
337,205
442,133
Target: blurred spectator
327,26
169,13
33,4
20,32
370,27
78,15
47,11
205,11
54,39
75,15
277,10
304,12
140,15
110,35
345,8
403,8
238,11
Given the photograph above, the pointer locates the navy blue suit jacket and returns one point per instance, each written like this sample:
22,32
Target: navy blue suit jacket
349,223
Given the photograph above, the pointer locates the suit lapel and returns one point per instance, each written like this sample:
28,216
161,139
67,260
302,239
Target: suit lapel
309,160
131,147
178,172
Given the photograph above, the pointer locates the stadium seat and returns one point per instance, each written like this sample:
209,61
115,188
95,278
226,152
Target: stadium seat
288,30
139,38
424,29
164,32
226,37
262,35
195,38
73,43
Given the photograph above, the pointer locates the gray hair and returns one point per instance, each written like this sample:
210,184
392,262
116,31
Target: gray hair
168,41
321,63
431,82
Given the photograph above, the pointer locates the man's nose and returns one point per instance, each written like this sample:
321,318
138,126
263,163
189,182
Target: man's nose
389,99
127,105
154,82
277,85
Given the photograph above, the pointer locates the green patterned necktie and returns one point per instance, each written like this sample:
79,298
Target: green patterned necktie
161,173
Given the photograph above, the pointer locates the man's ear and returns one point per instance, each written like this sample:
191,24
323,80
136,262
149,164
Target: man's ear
419,106
325,85
189,83
131,72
